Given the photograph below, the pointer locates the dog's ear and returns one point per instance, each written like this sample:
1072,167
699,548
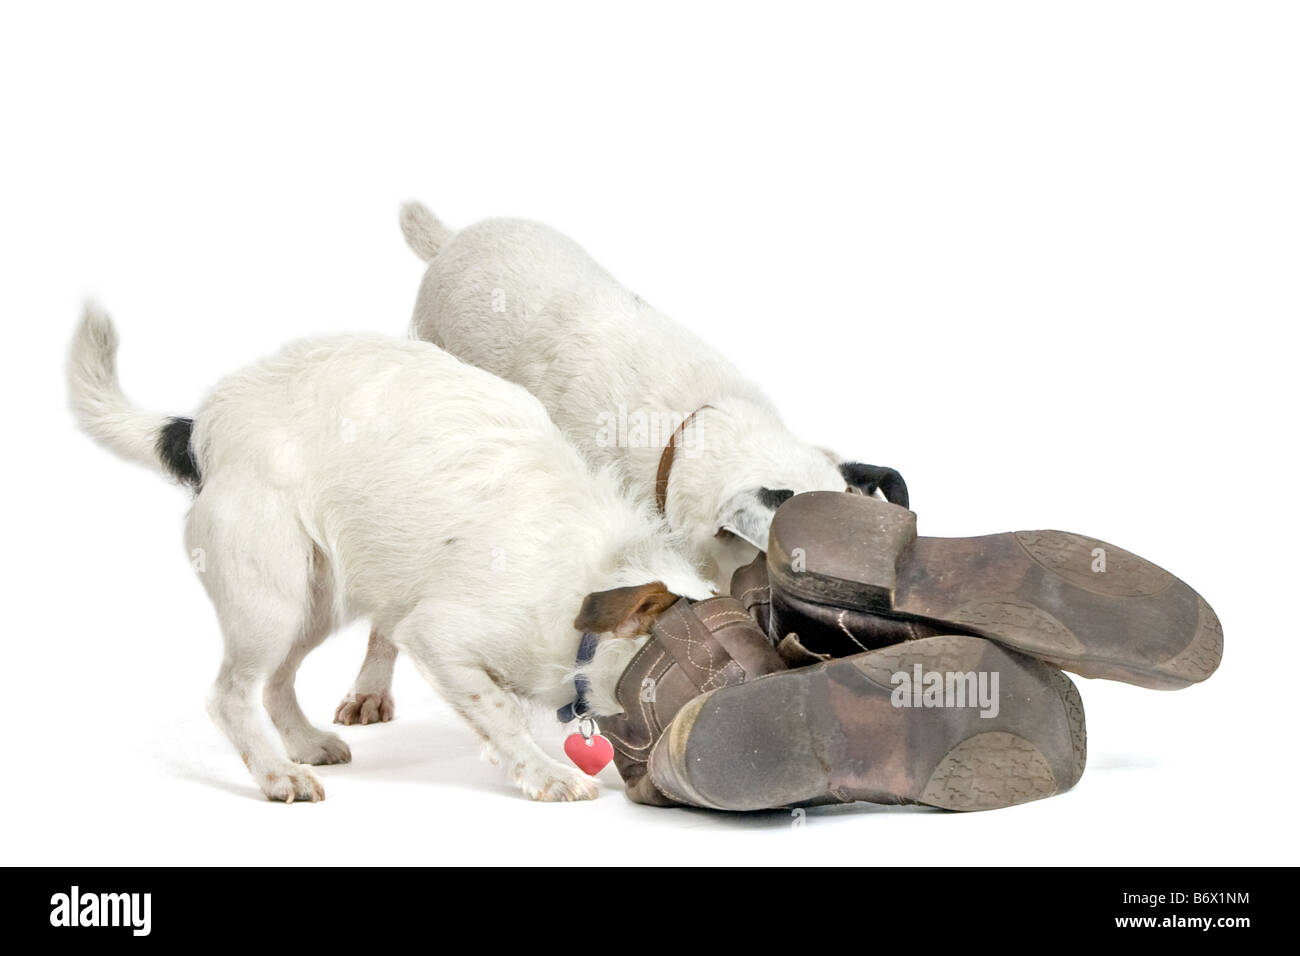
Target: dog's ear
624,612
868,478
749,516
774,497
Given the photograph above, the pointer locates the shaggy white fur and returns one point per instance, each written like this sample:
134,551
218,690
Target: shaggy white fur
363,476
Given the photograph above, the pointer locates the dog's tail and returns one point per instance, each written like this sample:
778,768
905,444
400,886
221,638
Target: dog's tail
160,441
424,233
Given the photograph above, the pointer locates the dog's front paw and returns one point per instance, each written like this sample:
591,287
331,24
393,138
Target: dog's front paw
555,782
290,782
364,709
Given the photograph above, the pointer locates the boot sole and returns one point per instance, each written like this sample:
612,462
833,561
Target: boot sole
1082,604
833,733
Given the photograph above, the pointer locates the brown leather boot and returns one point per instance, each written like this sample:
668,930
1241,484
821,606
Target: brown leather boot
714,717
848,572
954,721
693,649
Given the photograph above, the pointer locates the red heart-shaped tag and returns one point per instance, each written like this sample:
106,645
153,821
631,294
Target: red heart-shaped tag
591,756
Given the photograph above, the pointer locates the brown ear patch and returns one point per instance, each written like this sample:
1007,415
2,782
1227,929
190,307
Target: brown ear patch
625,612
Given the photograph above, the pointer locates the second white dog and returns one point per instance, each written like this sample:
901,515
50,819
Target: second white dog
527,303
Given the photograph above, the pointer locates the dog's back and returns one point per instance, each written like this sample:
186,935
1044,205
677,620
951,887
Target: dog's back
395,463
527,303
394,450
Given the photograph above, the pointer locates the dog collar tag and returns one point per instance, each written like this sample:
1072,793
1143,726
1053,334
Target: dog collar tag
589,750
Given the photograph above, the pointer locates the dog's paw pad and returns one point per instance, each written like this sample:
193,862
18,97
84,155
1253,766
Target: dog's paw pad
364,709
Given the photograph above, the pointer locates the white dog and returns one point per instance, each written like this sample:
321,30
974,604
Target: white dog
528,304
360,476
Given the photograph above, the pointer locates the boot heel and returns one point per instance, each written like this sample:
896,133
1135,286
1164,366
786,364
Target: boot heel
826,553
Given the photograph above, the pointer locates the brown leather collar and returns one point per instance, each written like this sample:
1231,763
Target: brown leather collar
666,461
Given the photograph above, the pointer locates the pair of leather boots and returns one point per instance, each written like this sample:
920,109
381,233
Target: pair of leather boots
857,661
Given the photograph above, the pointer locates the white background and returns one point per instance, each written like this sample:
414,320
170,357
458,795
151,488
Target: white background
1040,257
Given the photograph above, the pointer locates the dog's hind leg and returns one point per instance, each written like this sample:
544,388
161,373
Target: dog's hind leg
255,562
370,700
305,743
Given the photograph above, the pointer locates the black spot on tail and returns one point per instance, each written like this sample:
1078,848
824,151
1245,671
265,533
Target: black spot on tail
174,450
